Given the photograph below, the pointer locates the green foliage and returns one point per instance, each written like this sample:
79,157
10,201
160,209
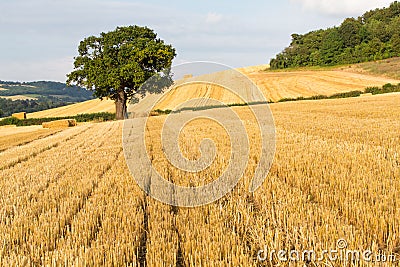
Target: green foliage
9,106
161,112
9,121
349,32
48,95
395,42
47,90
317,97
219,106
101,116
387,88
117,63
373,36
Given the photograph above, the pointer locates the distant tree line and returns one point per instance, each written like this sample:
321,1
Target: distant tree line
45,88
99,117
47,95
372,36
8,106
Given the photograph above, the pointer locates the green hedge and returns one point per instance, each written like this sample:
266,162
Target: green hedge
387,88
220,106
102,116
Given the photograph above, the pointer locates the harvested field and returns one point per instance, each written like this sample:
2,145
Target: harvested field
388,68
59,124
274,85
278,85
91,106
17,136
19,97
68,199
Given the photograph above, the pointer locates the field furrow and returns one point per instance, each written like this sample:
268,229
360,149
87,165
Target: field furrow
68,199
19,139
28,215
34,177
23,153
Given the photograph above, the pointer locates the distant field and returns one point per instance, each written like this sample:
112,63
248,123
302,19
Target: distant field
11,129
388,68
90,106
19,97
17,136
278,85
274,85
252,69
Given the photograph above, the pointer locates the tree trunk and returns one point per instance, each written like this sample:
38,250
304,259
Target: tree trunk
120,106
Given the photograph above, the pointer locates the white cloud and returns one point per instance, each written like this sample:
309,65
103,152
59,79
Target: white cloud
33,70
342,7
40,38
213,18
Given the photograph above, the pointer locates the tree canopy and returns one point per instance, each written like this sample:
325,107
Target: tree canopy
117,63
372,36
44,94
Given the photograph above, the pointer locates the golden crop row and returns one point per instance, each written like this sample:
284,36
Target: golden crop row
69,199
11,140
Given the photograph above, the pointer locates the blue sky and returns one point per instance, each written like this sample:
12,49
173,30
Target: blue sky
39,38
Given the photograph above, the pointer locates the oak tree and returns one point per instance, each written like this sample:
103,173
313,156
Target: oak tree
116,64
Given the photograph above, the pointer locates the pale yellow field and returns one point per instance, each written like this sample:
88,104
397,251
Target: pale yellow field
11,136
19,97
68,199
91,106
12,129
385,68
253,69
278,85
274,86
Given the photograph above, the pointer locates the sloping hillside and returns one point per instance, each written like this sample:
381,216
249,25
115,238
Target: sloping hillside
37,96
45,89
275,85
278,85
389,68
372,36
335,174
91,106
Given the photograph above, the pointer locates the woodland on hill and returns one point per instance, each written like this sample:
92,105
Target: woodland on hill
372,36
46,95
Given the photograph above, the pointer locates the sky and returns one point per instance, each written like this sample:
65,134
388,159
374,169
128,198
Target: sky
39,38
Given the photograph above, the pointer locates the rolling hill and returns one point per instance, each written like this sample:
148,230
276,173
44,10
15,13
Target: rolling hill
388,68
275,85
37,96
71,196
372,36
90,106
44,89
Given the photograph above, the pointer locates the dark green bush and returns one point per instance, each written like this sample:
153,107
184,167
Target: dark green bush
387,88
346,94
101,116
